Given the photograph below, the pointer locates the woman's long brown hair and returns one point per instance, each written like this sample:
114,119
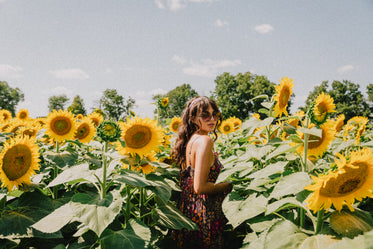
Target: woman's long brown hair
193,108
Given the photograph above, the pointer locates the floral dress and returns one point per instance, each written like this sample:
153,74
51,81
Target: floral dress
205,210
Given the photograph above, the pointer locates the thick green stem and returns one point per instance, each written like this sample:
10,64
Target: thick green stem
128,204
104,165
55,172
320,220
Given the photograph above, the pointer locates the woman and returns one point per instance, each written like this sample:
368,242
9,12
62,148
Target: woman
201,198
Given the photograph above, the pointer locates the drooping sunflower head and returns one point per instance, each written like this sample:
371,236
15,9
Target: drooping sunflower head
96,118
60,125
339,122
18,161
175,124
352,181
23,114
5,115
141,136
323,106
357,124
318,145
109,131
163,103
85,130
282,96
226,127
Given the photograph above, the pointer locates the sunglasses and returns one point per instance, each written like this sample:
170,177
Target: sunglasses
206,116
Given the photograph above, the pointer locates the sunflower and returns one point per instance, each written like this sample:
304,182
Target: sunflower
142,136
15,125
79,116
96,118
339,122
226,126
164,102
85,130
353,180
23,114
40,121
18,161
282,96
60,125
5,115
318,145
256,115
108,131
295,121
143,165
323,106
175,124
236,122
357,124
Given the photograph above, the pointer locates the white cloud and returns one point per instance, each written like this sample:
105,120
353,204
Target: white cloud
178,59
220,23
71,73
209,68
346,69
264,28
8,71
175,5
60,90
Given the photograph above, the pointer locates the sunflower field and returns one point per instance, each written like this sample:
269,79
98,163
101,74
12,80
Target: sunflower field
302,180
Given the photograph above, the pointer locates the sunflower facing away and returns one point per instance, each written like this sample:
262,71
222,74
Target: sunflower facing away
60,125
18,161
96,118
85,130
353,180
226,127
357,125
318,145
175,124
339,122
282,96
324,105
143,165
142,136
23,114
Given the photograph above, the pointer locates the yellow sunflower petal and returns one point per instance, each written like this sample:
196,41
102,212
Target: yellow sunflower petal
60,125
85,130
282,96
175,124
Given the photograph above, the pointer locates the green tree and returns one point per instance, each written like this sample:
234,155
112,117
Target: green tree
77,107
114,105
57,102
234,93
347,97
10,97
177,97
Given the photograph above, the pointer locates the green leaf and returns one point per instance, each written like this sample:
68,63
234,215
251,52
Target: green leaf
291,185
159,187
62,159
269,170
76,172
319,241
284,148
240,211
313,131
93,199
171,217
284,234
226,172
135,235
134,179
29,208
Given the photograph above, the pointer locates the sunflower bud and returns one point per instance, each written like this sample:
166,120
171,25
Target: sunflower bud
108,131
351,224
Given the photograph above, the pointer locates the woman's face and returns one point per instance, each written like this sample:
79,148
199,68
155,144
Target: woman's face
207,120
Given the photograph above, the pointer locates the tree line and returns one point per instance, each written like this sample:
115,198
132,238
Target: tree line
237,95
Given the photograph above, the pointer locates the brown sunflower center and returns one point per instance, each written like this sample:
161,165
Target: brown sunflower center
227,128
284,97
138,136
23,115
322,108
17,161
175,126
315,141
345,183
61,126
83,131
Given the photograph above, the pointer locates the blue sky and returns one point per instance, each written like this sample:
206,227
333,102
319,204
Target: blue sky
145,47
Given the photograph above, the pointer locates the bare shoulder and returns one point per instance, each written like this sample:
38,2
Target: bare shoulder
205,142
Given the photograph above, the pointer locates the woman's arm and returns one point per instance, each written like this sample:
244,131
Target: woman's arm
204,158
